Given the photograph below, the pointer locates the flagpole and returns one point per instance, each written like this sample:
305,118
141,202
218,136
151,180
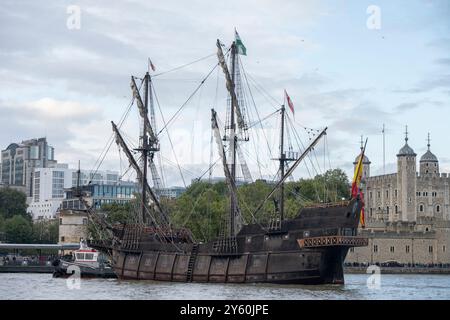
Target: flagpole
355,186
384,152
362,159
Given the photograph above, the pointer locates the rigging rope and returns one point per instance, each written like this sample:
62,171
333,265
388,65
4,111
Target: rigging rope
168,136
186,102
111,139
184,65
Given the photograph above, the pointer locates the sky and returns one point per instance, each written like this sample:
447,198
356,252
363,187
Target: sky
351,66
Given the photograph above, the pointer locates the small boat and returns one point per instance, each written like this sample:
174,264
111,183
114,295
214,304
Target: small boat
86,261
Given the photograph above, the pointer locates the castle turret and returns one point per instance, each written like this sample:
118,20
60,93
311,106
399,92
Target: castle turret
429,164
366,163
406,182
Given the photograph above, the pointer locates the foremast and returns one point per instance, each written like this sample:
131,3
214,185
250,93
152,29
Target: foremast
149,144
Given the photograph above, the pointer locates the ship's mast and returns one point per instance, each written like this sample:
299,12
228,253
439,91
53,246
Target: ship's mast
233,139
282,161
144,150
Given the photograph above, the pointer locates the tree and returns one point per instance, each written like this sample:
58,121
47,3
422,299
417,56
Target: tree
201,209
45,231
18,230
13,202
2,224
118,212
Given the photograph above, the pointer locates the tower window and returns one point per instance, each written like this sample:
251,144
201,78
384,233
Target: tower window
421,208
430,249
392,249
438,208
375,248
407,249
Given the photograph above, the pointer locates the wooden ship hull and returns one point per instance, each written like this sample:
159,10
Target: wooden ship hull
309,249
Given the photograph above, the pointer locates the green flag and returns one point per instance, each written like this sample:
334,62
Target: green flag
239,45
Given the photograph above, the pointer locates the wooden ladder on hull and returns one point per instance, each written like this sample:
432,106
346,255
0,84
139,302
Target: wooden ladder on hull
191,263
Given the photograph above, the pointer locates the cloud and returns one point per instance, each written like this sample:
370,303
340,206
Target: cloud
443,61
62,122
407,106
432,82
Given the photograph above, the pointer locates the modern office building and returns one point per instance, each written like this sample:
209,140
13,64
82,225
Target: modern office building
48,191
101,194
49,185
171,193
18,161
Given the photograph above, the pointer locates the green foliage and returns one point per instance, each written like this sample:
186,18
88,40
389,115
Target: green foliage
200,209
118,213
251,196
18,230
16,224
45,231
13,202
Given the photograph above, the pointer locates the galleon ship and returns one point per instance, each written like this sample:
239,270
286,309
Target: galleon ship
307,249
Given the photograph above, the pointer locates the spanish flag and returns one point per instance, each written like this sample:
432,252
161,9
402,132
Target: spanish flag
357,181
357,176
362,217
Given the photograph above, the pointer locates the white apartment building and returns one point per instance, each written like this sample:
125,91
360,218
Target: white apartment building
49,184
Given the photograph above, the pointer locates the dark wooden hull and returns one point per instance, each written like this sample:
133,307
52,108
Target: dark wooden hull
307,266
261,255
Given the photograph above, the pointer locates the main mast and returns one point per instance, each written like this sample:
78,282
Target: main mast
233,139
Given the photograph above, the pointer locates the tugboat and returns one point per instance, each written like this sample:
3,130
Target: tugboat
307,249
89,262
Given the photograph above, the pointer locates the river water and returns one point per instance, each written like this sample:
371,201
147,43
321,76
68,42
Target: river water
390,286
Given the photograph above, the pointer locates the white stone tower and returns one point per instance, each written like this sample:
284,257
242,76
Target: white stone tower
429,164
366,163
406,182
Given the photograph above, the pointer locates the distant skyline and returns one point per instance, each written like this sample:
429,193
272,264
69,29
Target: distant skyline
68,83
